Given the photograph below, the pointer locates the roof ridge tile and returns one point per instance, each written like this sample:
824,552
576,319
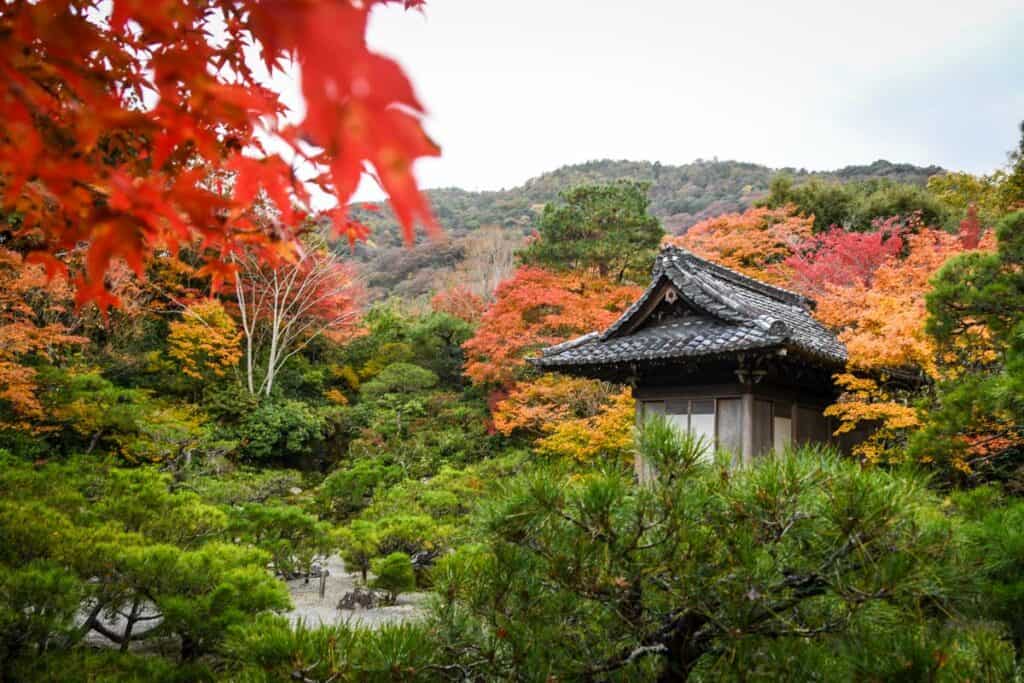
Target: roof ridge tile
675,252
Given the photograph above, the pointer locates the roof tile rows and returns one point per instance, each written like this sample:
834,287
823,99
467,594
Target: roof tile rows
727,312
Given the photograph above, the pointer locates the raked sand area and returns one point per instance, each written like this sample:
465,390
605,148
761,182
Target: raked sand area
314,610
309,607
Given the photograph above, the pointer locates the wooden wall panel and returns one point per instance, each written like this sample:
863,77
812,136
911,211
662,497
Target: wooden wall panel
811,425
762,428
730,426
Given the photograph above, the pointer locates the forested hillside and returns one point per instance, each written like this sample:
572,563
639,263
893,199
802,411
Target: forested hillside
680,196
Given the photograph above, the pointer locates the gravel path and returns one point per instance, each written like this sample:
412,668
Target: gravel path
314,610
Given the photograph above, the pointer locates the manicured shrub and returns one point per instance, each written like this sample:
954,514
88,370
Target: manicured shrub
394,575
348,490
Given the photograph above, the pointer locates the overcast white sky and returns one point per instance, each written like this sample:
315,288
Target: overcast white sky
520,87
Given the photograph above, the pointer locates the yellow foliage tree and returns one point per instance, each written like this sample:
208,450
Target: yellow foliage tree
206,341
867,400
533,407
882,324
606,435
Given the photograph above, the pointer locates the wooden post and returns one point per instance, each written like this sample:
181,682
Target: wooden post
747,441
645,473
794,412
638,461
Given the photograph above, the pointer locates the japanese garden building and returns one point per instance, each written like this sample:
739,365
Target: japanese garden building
738,361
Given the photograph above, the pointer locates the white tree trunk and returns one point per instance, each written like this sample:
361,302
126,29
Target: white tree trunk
288,307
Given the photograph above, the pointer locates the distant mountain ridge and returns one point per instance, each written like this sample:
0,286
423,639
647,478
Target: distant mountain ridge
680,196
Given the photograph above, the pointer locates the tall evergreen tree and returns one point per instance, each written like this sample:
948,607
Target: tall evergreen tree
604,228
976,316
1012,190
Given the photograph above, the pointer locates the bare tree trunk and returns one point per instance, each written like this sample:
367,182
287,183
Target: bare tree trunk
275,332
247,330
287,307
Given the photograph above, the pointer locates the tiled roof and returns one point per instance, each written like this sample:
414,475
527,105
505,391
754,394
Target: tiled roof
722,312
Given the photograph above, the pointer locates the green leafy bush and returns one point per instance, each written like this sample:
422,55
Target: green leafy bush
399,378
428,515
237,485
348,490
38,604
281,429
80,542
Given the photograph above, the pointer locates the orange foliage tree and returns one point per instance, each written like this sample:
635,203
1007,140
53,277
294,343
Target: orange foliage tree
32,327
532,407
139,127
882,323
533,309
571,417
756,242
459,301
536,308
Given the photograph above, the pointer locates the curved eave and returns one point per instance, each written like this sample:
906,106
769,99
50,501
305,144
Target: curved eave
583,365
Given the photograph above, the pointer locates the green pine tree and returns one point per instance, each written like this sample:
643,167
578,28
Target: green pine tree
605,228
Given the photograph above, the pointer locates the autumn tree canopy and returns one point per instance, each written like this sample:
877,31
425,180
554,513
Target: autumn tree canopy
838,257
32,327
537,308
144,126
757,242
